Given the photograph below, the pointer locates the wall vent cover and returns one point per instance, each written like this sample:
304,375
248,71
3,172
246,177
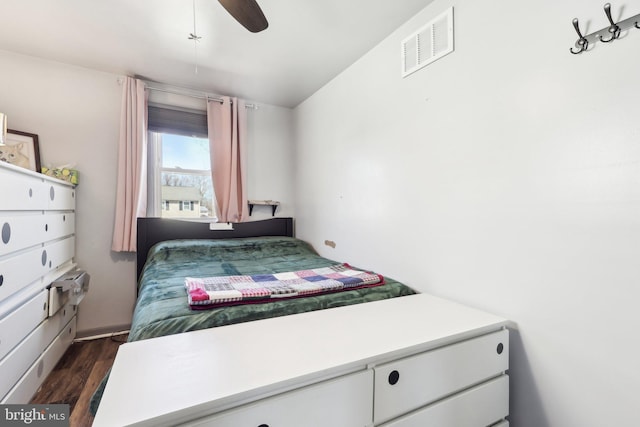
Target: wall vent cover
429,43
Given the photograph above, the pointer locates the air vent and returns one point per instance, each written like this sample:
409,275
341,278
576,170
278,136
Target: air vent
429,43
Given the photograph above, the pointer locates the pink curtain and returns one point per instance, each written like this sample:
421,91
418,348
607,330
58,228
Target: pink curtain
131,195
227,121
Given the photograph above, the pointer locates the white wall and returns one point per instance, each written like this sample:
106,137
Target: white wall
505,176
76,113
271,157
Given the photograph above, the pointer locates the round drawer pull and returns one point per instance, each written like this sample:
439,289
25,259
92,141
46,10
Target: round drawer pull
1,279
6,233
44,258
52,193
263,425
500,348
394,376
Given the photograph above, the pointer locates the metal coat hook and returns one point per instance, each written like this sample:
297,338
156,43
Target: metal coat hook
613,29
582,42
605,35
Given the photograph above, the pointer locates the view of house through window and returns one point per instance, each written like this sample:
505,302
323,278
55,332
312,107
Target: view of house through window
183,176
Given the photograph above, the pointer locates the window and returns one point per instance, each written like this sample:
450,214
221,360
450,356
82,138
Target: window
179,179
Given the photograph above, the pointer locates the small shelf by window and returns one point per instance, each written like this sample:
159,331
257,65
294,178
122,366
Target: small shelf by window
274,205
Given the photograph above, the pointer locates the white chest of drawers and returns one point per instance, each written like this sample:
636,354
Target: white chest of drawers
37,245
405,362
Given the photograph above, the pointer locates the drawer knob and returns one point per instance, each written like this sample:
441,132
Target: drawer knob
394,376
52,193
263,425
44,258
6,233
1,279
500,348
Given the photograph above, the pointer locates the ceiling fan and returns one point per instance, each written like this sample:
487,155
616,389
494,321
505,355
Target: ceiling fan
246,12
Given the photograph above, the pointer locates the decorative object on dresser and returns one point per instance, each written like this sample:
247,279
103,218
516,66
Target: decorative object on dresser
21,149
64,173
37,246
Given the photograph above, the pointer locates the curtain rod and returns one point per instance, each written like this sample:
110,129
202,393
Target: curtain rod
195,95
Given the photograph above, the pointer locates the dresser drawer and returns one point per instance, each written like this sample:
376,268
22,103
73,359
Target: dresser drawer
343,402
23,231
58,253
480,406
19,323
18,361
407,384
18,271
26,191
60,196
21,191
26,387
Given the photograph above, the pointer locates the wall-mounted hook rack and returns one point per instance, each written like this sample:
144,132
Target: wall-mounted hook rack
605,35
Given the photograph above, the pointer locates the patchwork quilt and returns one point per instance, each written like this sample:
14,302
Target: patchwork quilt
219,291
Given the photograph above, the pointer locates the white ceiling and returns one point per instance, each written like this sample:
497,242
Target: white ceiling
308,42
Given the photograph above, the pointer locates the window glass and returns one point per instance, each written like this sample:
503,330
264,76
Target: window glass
180,176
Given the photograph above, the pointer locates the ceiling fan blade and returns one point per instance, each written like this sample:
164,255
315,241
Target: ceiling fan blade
246,12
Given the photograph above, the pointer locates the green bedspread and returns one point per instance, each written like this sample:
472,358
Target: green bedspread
162,307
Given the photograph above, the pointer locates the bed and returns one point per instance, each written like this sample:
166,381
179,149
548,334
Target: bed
171,250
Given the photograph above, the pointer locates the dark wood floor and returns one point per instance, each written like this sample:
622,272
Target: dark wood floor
77,375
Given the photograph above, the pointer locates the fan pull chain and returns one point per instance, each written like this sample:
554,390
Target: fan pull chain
194,36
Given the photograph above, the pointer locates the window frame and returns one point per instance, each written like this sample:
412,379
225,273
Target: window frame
154,177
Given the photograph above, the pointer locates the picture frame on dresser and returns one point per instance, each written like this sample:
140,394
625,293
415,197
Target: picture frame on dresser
21,149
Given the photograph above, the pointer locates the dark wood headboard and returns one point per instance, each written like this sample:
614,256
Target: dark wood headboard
155,230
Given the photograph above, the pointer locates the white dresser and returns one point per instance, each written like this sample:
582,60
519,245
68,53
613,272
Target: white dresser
37,245
414,361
